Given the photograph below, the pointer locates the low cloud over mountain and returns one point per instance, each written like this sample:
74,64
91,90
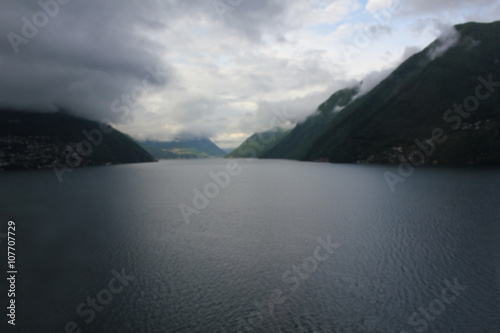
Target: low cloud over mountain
158,69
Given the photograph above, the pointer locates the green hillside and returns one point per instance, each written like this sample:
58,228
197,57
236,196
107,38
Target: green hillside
414,100
183,149
31,140
259,143
302,137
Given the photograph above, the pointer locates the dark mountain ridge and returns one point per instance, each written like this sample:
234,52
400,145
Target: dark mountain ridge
423,98
34,140
440,106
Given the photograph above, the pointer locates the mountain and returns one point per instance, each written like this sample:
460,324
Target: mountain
259,143
443,109
301,139
183,149
441,106
30,140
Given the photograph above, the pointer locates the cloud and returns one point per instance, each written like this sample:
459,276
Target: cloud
418,7
448,39
409,51
377,5
77,60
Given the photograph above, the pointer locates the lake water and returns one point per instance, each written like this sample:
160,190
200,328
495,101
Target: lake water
284,247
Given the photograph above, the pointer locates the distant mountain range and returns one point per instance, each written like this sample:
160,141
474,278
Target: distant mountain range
441,106
30,140
183,149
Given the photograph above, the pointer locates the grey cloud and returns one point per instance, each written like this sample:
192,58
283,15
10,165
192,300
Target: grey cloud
433,6
446,40
409,51
92,52
433,25
254,17
83,58
447,35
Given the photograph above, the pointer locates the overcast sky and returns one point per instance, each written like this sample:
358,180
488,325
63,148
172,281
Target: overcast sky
222,69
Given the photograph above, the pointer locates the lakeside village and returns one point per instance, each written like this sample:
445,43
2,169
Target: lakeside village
33,152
